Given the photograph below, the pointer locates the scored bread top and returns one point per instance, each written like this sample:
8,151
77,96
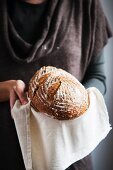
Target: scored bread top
57,93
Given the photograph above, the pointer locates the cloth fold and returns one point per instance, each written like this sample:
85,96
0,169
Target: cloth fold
51,144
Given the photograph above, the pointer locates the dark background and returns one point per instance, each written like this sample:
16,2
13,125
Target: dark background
103,154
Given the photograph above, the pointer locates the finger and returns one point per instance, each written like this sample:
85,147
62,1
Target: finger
20,91
13,98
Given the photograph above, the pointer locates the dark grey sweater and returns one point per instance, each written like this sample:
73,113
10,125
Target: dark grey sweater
73,35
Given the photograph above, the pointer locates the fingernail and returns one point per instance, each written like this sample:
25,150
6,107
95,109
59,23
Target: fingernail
24,102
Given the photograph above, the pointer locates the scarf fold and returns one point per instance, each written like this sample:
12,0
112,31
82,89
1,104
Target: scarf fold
79,22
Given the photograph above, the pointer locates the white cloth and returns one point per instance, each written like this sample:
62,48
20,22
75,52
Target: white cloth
49,144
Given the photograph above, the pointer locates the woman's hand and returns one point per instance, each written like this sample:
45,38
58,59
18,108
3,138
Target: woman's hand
5,88
18,92
12,90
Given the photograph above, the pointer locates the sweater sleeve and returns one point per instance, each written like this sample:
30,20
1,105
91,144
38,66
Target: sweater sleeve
102,30
95,74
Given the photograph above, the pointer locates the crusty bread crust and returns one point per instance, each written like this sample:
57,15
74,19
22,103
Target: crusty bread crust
57,93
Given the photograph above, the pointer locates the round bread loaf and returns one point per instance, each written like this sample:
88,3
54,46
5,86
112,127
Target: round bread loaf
57,93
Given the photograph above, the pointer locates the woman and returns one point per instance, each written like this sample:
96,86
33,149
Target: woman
67,34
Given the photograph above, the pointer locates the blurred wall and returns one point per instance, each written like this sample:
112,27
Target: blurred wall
103,154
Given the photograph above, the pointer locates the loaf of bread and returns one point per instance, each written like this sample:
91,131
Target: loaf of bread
57,93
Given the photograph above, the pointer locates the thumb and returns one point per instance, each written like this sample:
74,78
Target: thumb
13,98
20,91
